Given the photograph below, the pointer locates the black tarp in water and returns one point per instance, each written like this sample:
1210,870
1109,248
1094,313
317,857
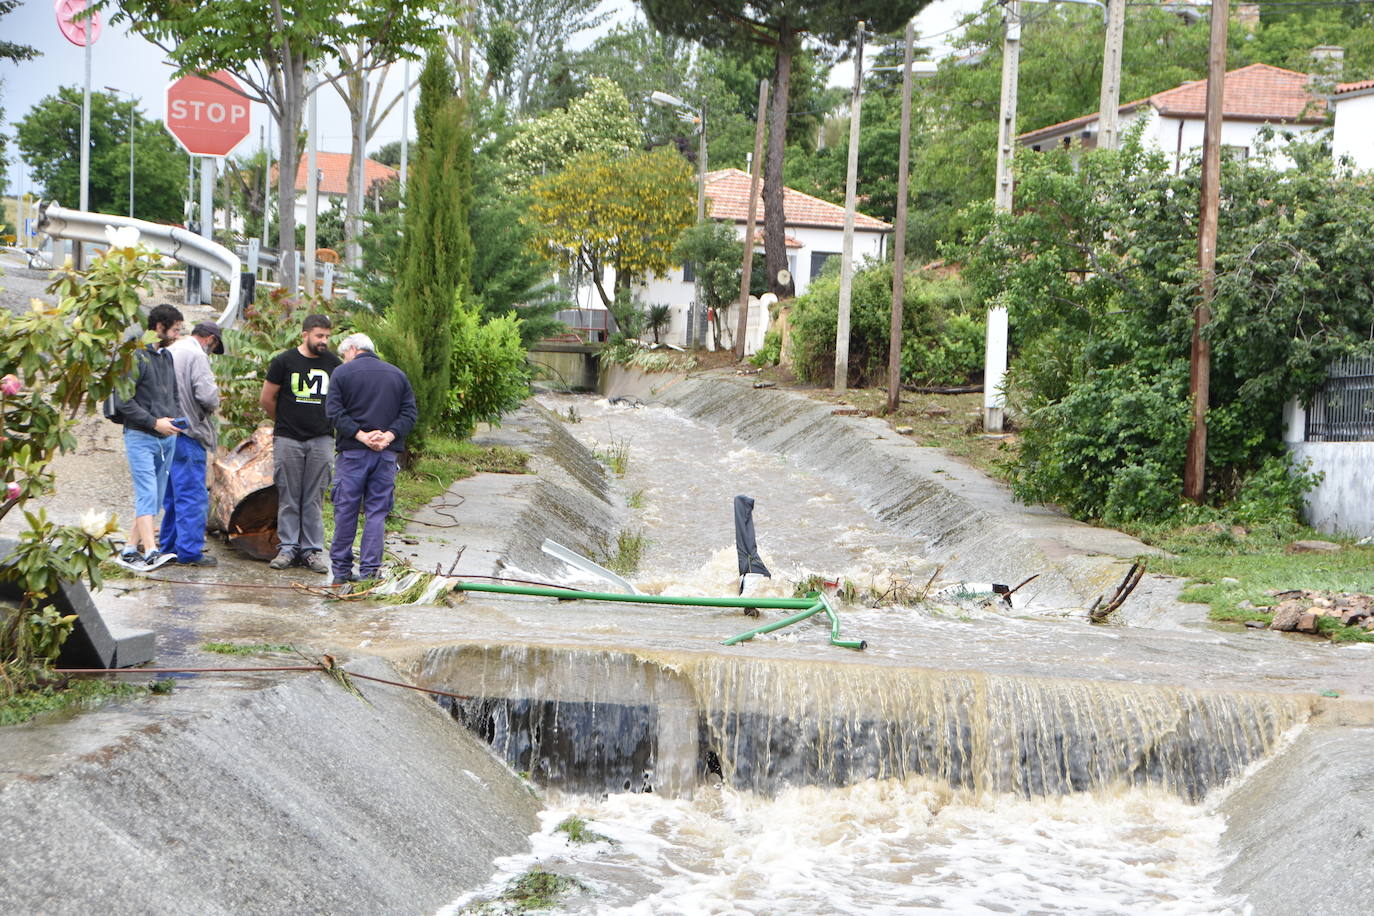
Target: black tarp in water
745,545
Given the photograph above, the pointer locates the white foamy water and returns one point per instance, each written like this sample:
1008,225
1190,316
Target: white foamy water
880,847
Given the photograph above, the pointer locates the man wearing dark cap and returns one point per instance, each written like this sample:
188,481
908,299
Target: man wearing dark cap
187,501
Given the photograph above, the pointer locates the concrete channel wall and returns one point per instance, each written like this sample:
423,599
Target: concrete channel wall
956,514
292,798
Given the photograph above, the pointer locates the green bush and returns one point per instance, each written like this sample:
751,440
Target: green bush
1098,270
488,374
771,350
934,344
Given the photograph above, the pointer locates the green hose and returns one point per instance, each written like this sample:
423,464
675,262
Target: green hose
685,600
809,606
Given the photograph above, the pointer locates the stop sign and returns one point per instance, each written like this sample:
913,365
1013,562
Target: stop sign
207,117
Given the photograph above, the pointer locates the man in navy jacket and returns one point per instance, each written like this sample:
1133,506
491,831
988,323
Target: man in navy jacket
372,408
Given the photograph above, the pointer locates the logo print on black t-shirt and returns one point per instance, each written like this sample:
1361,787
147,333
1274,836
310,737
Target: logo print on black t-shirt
310,388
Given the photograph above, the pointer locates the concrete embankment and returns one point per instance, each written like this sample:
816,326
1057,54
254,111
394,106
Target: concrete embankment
956,515
251,797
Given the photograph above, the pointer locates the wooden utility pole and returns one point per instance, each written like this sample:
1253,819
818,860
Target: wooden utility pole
995,352
1200,375
755,174
850,204
1108,129
894,342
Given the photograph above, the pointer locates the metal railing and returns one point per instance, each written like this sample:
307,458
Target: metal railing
181,244
1343,408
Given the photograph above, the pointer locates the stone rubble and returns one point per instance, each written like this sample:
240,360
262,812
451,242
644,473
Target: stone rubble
1300,610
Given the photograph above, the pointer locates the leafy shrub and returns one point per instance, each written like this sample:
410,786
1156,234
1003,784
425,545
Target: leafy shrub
928,305
1098,270
953,357
488,373
770,352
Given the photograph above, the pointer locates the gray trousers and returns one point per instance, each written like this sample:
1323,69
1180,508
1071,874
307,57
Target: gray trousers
301,471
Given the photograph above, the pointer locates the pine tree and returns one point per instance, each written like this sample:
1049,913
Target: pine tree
436,250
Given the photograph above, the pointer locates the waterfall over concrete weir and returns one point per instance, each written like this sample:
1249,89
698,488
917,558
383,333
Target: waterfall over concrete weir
607,721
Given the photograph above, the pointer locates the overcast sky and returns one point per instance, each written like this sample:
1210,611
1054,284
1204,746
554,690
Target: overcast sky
132,65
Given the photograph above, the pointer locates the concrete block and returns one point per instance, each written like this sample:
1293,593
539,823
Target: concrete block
92,644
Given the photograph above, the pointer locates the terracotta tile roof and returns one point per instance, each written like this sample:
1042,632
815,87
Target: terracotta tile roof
727,192
1258,92
334,172
1354,87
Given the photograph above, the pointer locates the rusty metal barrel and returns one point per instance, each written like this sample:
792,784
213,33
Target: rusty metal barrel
243,498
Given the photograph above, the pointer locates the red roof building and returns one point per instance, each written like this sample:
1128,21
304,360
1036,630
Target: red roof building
333,168
727,195
1252,97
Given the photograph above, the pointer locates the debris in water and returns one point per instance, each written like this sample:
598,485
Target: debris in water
1099,612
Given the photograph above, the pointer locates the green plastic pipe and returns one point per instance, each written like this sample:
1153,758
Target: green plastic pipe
787,604
809,606
775,625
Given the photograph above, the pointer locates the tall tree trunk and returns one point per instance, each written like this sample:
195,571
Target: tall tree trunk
356,101
289,155
774,219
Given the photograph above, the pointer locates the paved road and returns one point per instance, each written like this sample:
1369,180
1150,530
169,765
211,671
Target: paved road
18,284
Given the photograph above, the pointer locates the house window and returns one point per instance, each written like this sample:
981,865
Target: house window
818,261
689,272
1235,153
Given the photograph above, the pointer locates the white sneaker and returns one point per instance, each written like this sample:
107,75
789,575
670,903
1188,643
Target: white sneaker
153,559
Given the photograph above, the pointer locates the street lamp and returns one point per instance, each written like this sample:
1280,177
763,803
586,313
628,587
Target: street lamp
689,115
132,106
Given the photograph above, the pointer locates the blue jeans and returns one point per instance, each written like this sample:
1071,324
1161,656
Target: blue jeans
366,480
186,504
150,463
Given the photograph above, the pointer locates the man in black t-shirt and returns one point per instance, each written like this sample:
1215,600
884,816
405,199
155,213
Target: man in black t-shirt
303,445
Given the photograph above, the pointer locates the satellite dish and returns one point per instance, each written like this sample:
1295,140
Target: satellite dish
784,277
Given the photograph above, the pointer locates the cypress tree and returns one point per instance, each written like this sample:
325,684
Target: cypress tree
436,248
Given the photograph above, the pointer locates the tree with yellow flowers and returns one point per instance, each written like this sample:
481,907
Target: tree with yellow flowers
623,212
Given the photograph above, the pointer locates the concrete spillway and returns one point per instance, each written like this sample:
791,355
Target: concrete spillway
614,721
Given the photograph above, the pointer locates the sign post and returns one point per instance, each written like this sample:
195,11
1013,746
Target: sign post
208,116
82,31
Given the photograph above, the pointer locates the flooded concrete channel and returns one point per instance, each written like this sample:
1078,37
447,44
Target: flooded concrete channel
974,757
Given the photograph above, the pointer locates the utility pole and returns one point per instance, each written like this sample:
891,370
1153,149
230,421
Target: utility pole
995,354
266,180
1108,129
1200,372
701,166
894,343
755,174
850,203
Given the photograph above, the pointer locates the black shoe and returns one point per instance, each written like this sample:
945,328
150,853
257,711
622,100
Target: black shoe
345,580
282,560
203,560
153,559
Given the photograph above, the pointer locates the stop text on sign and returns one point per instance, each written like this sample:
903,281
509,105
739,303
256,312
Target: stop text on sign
208,116
214,112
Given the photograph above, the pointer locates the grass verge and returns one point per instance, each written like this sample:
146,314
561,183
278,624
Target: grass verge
1233,575
75,695
443,461
233,648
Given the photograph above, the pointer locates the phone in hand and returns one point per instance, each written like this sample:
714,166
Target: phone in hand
181,423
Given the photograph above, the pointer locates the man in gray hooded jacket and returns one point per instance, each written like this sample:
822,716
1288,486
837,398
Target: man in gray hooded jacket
187,502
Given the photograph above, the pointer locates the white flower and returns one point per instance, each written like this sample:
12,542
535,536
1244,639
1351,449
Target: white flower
97,524
123,237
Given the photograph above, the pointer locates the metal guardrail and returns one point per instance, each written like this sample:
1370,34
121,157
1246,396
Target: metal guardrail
173,241
1343,408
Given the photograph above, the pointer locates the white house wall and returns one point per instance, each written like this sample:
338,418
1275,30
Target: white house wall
1353,134
677,294
1343,503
